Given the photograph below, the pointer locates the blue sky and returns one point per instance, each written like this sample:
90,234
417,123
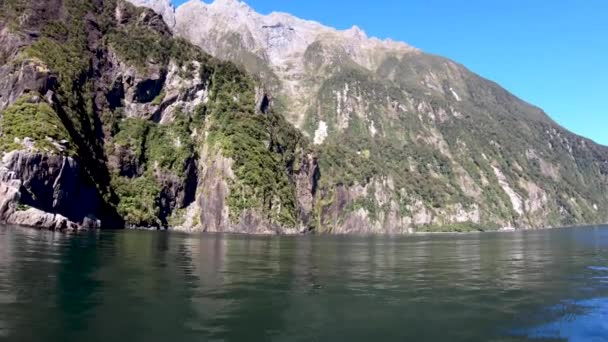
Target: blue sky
551,53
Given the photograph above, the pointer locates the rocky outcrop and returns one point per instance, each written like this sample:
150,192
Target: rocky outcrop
162,7
213,188
41,190
36,218
9,197
157,92
159,19
134,89
306,179
211,211
23,77
183,91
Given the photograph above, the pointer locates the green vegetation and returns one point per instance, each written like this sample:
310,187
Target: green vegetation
170,146
139,198
263,147
64,48
177,218
132,135
156,148
368,203
159,98
167,147
349,161
29,117
22,207
141,46
426,156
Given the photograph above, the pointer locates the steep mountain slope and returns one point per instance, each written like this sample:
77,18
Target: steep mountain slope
406,140
107,120
287,52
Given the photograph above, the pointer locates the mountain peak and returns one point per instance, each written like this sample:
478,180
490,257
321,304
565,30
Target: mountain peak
229,3
276,37
162,7
356,32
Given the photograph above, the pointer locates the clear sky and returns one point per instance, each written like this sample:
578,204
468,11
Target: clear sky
551,53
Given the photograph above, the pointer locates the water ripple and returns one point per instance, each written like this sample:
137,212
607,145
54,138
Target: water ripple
144,286
599,268
590,326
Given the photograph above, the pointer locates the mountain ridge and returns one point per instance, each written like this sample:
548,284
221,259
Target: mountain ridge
168,7
279,18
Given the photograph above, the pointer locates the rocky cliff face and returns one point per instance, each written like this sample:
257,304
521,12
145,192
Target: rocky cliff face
36,187
286,51
406,140
111,116
107,120
162,7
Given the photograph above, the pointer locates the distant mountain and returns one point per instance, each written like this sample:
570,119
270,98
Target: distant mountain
162,7
111,116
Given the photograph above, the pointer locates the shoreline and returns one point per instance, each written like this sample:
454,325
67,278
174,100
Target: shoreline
423,233
269,234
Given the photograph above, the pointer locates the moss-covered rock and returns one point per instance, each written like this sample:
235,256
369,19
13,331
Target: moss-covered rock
30,123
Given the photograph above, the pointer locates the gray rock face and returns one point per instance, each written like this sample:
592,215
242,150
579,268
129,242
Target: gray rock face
156,93
277,47
162,7
306,179
214,211
24,77
9,197
211,213
177,192
21,76
48,185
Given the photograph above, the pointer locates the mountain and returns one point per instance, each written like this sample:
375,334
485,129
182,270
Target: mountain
114,115
162,7
110,121
292,56
406,138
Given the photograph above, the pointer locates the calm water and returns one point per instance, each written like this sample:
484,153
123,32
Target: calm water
151,286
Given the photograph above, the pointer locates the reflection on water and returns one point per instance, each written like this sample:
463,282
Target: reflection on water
149,286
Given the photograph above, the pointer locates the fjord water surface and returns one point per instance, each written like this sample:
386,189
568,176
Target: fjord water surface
152,286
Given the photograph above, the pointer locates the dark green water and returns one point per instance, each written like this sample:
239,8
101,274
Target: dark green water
151,286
